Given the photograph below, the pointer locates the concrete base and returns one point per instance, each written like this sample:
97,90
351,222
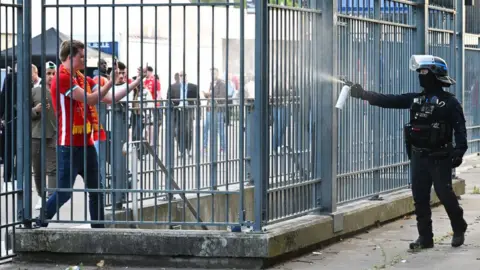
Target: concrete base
211,249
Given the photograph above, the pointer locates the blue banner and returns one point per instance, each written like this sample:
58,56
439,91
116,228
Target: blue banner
250,6
105,47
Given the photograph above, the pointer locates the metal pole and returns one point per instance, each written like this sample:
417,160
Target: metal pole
119,176
377,114
260,157
325,113
460,65
134,161
422,27
26,107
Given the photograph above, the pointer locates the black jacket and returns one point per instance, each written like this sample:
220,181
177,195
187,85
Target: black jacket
174,93
8,100
453,110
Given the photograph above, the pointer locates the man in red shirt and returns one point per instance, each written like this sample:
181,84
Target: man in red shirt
152,83
74,97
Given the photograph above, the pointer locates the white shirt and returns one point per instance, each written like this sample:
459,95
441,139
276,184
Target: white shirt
147,99
250,90
183,94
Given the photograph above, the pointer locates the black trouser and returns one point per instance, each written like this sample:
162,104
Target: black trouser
184,129
137,127
437,170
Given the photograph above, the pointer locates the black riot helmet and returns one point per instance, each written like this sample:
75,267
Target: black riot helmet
435,65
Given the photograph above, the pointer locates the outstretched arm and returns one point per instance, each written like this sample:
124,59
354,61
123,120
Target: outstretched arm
122,92
403,101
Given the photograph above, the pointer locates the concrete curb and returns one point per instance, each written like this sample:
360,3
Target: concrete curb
211,249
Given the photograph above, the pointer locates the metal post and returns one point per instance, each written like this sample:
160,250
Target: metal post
134,162
422,26
119,176
27,117
325,113
460,65
260,156
376,87
21,106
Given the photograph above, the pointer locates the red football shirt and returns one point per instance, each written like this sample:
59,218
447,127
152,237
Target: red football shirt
69,115
149,84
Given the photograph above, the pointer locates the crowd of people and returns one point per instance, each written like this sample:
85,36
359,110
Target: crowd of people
74,119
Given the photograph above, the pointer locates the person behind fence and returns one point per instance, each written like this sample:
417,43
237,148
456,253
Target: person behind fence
74,101
216,93
8,114
123,88
280,96
184,97
50,129
36,80
141,107
435,116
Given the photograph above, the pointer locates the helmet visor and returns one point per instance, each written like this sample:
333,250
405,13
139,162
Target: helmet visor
421,61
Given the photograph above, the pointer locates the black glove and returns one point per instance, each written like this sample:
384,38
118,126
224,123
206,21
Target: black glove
356,91
457,158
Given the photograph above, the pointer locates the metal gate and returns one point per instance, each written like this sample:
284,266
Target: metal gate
12,105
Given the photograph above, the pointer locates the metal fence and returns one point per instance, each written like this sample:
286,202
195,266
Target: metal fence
247,149
471,93
374,49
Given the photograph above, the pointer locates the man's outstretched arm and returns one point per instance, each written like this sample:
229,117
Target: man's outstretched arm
402,101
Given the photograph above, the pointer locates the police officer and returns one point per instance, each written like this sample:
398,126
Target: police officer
435,116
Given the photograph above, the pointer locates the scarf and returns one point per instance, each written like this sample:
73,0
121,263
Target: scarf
92,123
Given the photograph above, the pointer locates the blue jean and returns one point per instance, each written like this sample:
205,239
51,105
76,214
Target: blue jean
280,118
219,128
71,161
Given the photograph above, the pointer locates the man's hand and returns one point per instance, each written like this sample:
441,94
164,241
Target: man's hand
38,108
141,73
457,159
115,72
356,91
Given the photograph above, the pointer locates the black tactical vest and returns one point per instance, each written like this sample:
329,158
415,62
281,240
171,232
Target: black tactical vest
429,126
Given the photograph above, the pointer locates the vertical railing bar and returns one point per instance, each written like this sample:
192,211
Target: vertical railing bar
227,113
199,111
85,109
241,203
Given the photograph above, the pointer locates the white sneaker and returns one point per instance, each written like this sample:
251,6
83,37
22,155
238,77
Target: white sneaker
38,206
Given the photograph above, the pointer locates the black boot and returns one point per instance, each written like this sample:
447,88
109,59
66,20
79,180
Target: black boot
458,239
422,243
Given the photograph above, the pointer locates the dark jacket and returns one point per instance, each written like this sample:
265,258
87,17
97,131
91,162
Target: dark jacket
174,93
8,101
219,91
452,111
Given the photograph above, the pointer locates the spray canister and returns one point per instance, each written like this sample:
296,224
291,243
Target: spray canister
344,94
